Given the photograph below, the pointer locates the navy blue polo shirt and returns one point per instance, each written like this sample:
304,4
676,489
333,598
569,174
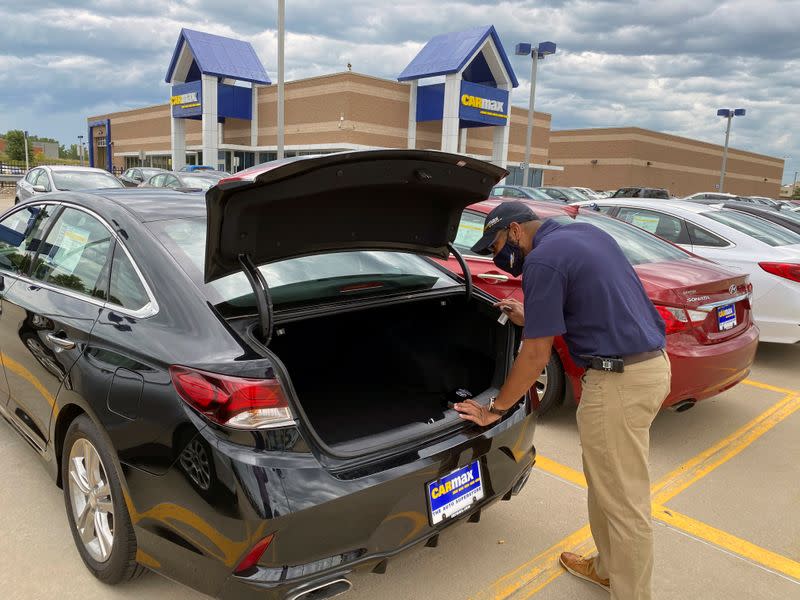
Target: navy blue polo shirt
578,283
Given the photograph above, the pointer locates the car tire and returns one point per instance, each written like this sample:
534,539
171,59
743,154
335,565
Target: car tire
94,496
550,386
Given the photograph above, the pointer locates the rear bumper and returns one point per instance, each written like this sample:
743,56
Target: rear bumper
703,371
325,525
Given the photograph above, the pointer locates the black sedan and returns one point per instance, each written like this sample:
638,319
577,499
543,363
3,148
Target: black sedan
252,395
178,180
136,176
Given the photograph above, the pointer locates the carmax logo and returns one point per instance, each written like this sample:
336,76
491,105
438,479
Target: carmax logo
495,106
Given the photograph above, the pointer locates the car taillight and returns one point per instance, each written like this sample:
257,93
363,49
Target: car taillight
675,319
236,402
251,558
790,271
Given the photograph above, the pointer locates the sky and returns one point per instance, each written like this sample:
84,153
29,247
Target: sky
661,65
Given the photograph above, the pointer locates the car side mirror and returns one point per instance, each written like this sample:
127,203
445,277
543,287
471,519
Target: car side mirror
39,189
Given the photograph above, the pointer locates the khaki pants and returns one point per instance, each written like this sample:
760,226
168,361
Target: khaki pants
614,418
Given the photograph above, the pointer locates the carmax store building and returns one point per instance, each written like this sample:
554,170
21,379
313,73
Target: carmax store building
454,95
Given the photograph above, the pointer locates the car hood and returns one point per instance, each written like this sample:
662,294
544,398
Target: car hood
403,200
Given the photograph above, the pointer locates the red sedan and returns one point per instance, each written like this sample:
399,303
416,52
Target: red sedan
711,335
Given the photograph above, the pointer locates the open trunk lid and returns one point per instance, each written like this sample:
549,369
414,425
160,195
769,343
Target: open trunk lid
403,200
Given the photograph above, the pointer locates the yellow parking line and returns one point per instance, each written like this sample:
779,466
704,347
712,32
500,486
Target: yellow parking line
771,388
542,569
757,554
705,462
561,471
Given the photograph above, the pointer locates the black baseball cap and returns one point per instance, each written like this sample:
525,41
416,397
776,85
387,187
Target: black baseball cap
501,217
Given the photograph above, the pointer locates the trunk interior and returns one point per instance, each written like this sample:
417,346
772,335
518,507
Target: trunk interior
389,372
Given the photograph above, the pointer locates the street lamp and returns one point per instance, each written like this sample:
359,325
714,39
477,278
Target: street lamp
536,52
728,113
80,148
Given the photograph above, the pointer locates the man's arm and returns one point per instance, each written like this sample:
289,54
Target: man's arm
531,360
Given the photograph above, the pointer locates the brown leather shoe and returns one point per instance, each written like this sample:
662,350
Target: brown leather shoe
583,568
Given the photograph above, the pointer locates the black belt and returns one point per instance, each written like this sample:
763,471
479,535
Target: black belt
616,364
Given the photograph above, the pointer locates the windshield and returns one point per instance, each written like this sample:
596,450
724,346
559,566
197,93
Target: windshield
638,246
147,173
537,194
305,280
764,231
84,180
195,181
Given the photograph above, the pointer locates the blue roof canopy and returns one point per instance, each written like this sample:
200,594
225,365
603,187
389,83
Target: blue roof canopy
220,56
449,52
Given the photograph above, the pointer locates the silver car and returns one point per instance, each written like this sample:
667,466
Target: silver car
41,180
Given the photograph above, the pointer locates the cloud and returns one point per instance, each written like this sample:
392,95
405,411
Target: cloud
661,65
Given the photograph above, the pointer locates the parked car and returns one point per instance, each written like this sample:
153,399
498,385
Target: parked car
246,398
709,353
590,194
772,202
197,180
784,218
41,180
136,176
519,192
770,254
716,198
565,194
641,192
193,168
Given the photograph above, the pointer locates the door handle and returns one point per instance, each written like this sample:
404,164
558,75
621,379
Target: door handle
496,277
60,342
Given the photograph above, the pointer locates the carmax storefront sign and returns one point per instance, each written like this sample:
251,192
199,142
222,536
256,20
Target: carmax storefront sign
483,104
187,99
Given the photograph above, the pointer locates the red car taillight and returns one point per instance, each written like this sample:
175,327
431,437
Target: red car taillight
790,271
675,319
235,402
251,558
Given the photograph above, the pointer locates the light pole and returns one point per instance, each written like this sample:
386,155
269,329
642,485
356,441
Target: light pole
281,37
536,52
25,142
728,113
80,148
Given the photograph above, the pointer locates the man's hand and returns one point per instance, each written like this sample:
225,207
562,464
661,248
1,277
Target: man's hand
477,413
514,310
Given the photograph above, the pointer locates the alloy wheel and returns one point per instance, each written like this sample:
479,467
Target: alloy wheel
91,500
541,384
194,460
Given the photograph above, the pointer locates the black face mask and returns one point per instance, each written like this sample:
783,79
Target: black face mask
510,259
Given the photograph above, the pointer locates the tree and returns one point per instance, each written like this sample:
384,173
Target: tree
69,153
15,145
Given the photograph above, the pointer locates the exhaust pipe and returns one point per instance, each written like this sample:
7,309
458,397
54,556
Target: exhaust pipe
683,405
337,587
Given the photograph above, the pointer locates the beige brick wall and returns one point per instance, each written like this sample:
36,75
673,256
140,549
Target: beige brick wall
682,165
342,108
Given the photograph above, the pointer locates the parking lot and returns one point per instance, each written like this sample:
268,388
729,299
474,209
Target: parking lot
725,497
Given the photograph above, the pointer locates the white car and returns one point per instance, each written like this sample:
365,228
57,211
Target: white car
770,254
41,180
591,194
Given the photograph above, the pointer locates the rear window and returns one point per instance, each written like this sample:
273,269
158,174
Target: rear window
84,180
195,181
305,280
638,246
763,231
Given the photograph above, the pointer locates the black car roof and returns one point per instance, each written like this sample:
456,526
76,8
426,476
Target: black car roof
155,204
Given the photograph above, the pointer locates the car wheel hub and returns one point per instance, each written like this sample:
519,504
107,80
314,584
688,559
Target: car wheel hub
541,384
91,500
